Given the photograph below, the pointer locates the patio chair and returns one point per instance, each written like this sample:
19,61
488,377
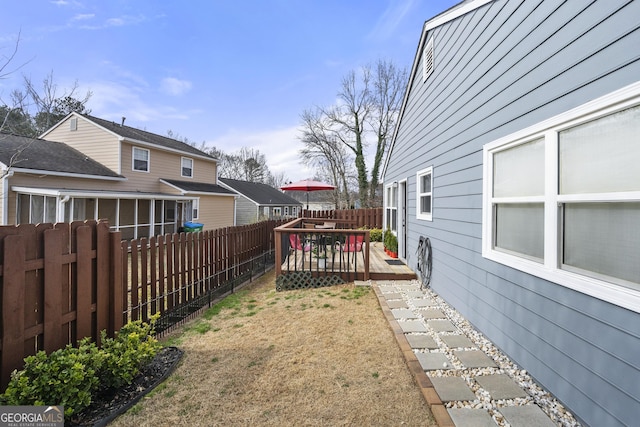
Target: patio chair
353,244
298,244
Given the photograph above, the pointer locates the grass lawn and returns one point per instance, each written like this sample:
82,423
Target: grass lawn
317,357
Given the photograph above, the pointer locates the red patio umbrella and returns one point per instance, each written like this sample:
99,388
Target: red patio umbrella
307,185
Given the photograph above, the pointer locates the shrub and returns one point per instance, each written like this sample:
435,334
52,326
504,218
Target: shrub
64,377
375,234
390,241
72,375
132,348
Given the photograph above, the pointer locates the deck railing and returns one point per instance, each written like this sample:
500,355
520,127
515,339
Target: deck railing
310,253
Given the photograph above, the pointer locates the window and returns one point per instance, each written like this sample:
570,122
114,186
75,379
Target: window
73,124
187,167
427,60
562,199
36,209
195,205
424,182
391,207
277,212
140,159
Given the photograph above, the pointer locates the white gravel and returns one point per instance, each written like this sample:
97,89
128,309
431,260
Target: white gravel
536,394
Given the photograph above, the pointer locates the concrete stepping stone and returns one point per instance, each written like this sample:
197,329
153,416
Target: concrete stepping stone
403,313
526,416
433,361
397,304
432,313
412,326
457,341
423,302
421,341
441,325
474,359
452,388
415,294
500,386
392,295
469,417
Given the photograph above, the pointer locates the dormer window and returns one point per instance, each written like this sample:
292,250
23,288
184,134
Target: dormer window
187,167
140,159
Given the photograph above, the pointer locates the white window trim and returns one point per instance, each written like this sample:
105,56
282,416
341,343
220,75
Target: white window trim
195,206
616,294
182,159
419,214
133,159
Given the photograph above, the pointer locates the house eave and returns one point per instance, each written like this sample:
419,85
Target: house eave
67,174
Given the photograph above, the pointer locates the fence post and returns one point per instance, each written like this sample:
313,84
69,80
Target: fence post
52,291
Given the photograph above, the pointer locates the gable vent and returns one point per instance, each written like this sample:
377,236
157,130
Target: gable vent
73,123
427,60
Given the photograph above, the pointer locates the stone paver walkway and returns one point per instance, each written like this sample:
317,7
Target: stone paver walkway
462,384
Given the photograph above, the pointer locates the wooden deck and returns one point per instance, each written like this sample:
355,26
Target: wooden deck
379,267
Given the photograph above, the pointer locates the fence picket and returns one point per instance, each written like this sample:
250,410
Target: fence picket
59,283
13,294
83,282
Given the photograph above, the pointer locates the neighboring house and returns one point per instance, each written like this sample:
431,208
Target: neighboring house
318,200
144,184
516,153
260,201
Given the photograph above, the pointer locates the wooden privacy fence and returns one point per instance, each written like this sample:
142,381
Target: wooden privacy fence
369,218
60,283
56,288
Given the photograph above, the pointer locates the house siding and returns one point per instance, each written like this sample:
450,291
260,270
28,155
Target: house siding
90,139
162,165
216,212
503,67
246,211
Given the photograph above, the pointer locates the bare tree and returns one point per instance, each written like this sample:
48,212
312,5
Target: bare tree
326,153
48,106
367,108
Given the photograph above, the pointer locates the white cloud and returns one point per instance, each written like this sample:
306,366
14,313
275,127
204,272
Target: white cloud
279,146
173,86
391,19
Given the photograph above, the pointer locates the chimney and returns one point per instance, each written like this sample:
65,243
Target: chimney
123,119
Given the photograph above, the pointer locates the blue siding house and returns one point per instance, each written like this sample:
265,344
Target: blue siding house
517,153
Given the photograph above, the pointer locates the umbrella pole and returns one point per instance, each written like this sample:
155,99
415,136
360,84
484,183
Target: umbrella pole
307,200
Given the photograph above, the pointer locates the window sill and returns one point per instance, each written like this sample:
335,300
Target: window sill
615,294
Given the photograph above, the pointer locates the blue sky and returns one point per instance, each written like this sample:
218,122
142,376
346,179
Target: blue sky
232,73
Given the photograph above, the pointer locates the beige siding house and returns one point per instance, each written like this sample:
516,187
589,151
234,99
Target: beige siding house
89,168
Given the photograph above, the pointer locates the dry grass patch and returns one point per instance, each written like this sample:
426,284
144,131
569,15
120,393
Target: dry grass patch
324,357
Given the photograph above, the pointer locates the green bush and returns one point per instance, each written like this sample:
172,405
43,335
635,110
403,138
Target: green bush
375,234
72,375
390,241
132,348
64,377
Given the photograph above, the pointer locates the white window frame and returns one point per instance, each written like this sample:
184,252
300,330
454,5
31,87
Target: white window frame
195,206
276,211
549,269
419,214
391,206
133,159
182,167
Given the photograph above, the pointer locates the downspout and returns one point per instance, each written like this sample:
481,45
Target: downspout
5,197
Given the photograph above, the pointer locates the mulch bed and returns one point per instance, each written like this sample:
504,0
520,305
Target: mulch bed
107,406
